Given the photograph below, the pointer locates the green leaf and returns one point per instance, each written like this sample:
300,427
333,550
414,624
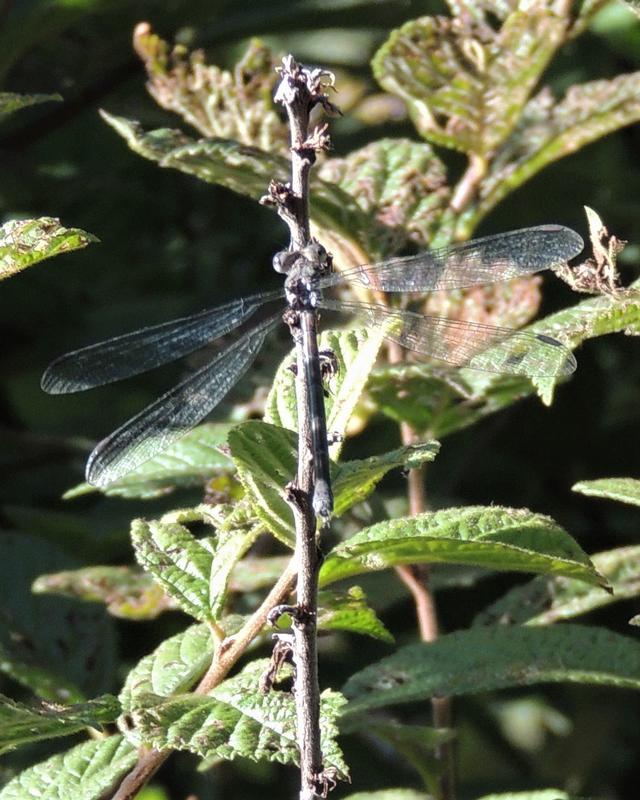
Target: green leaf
61,650
127,593
465,85
624,490
10,102
356,352
497,657
550,130
20,723
353,481
546,600
192,571
190,461
338,220
494,537
349,611
89,771
597,316
402,183
265,456
442,405
236,719
174,666
25,242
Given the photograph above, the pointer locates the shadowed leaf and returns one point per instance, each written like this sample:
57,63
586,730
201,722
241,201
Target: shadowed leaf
61,650
546,599
497,657
127,593
10,102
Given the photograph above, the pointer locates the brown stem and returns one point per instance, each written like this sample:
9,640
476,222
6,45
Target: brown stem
416,579
299,91
225,657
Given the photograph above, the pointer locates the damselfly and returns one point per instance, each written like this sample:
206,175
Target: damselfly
462,343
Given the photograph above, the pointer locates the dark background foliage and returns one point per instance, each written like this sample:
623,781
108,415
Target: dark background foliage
171,245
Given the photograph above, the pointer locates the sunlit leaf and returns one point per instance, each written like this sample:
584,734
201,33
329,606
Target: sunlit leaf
173,667
355,352
25,242
624,490
89,771
353,481
217,103
265,456
550,130
236,719
194,571
440,402
494,537
487,658
402,183
20,723
127,593
546,599
464,80
349,611
10,102
190,461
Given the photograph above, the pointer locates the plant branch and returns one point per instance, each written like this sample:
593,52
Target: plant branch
416,579
225,657
299,91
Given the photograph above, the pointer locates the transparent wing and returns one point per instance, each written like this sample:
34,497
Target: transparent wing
470,344
488,260
147,348
176,412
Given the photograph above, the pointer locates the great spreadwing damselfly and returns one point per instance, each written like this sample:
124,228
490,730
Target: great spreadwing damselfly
491,259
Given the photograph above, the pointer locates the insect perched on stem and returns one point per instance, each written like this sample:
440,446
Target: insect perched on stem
485,347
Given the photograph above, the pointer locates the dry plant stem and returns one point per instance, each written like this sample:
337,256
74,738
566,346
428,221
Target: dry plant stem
225,657
468,184
416,579
298,98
